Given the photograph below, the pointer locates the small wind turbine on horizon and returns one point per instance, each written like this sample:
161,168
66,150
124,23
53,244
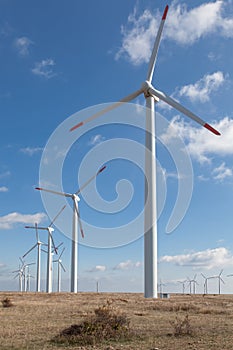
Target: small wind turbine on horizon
219,281
38,245
76,220
59,267
206,283
183,285
192,282
51,243
20,274
152,96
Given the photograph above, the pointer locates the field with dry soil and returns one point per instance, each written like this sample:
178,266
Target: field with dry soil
181,322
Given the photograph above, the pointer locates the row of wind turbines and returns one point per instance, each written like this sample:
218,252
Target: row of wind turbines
23,271
152,96
189,284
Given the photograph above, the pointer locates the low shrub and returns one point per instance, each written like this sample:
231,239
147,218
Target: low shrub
6,302
107,324
181,326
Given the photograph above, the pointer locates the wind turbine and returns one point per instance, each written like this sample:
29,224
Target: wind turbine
50,230
192,282
59,266
219,281
38,245
183,285
76,221
20,273
205,284
152,96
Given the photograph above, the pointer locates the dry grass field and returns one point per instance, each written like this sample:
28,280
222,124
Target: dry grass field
181,322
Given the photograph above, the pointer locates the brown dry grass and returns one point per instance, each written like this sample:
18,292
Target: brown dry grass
36,318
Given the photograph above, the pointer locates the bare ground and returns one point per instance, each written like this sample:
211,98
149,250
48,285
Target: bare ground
181,322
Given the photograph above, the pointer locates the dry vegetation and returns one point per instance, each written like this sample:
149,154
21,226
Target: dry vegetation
38,320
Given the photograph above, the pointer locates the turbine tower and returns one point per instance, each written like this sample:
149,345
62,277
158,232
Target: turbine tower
76,220
152,96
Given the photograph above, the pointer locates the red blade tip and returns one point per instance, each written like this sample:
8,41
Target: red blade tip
210,128
38,188
102,169
82,233
76,126
165,13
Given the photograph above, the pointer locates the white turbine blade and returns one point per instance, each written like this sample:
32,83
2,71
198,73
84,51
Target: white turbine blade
54,192
62,266
53,244
59,245
220,273
61,253
162,96
156,47
57,215
35,245
109,108
79,220
91,179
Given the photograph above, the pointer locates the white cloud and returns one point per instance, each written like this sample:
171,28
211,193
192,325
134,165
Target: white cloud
44,68
222,172
22,45
126,265
206,259
8,221
96,140
98,268
201,90
182,26
201,144
3,189
31,150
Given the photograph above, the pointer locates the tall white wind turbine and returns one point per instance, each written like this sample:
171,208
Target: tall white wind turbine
152,96
76,221
50,230
38,245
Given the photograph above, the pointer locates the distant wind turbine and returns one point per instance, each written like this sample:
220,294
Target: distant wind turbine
38,245
50,230
183,285
76,220
59,267
152,96
219,281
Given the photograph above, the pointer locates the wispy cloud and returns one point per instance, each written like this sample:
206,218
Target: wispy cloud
183,26
206,259
96,139
30,151
22,45
8,221
44,68
126,265
202,145
98,268
202,89
222,172
3,189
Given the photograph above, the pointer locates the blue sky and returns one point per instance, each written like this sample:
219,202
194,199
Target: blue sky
60,58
